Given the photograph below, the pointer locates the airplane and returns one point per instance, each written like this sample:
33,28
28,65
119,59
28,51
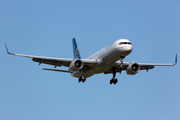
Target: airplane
104,61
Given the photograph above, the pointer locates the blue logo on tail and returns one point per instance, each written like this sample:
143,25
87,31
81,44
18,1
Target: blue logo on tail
75,49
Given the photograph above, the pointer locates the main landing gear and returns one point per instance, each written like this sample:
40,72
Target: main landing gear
114,80
82,78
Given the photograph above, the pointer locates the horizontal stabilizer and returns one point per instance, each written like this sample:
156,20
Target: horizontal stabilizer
57,70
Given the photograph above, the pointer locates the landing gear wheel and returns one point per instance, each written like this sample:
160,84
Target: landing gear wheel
113,81
83,80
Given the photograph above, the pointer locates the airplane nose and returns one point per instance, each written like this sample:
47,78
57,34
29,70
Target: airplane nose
126,50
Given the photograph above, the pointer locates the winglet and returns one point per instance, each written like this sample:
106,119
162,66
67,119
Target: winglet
75,49
175,60
8,51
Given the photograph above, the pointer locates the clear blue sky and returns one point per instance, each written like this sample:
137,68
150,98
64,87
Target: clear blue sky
46,28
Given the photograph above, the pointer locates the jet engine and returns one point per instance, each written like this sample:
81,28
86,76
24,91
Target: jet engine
132,69
75,65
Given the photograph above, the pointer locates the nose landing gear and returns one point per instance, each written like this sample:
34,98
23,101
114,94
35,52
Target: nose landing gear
121,59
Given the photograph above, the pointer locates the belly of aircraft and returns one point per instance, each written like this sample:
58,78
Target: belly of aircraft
105,62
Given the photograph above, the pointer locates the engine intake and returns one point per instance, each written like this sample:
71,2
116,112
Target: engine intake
75,65
132,69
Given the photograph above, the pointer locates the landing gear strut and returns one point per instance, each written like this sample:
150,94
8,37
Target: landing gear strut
114,80
121,59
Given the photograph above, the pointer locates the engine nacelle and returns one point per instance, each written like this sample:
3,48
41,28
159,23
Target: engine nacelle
132,69
75,65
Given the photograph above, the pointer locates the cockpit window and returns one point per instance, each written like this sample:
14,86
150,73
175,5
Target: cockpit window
123,43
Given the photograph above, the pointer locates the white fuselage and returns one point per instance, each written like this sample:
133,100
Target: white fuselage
107,57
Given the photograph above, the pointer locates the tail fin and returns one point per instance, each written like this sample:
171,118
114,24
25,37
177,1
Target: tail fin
75,49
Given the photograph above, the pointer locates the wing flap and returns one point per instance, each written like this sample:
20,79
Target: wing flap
57,70
52,62
61,62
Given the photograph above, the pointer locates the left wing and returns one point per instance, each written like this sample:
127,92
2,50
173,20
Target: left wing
54,61
143,66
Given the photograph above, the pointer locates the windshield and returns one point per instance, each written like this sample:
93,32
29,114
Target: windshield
123,43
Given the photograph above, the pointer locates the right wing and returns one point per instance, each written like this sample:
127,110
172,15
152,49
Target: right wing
54,61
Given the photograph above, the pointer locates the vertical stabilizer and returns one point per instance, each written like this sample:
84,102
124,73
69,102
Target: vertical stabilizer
75,49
